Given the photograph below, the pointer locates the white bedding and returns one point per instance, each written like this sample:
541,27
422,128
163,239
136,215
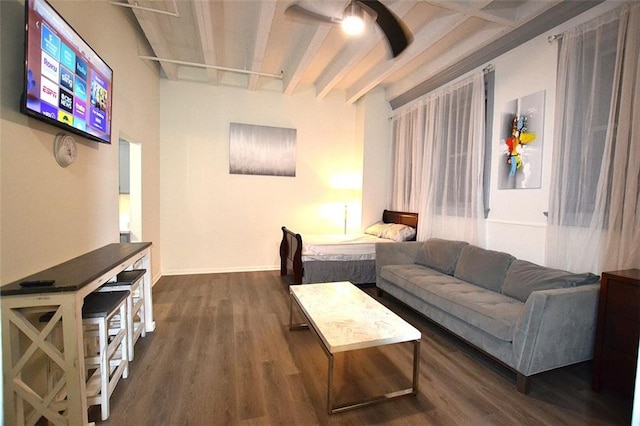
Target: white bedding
340,247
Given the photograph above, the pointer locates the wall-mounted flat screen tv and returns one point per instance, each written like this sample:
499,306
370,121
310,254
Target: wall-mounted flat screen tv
66,83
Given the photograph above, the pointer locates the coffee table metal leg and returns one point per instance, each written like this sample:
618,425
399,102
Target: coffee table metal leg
297,326
290,312
413,390
330,385
416,365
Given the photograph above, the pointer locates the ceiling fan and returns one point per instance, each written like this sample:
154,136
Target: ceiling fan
394,30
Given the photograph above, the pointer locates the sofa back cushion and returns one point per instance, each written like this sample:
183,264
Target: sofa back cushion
441,255
486,268
524,277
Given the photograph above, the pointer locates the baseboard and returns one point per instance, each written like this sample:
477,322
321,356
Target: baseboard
171,272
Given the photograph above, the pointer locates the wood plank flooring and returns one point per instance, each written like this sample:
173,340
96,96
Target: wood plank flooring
222,354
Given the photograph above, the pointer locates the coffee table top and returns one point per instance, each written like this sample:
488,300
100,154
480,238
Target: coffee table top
347,318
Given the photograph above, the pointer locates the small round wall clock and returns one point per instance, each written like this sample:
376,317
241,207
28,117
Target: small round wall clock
64,149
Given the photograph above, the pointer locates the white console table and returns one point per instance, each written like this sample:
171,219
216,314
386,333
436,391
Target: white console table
28,346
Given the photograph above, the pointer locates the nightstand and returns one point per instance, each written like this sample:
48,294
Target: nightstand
616,346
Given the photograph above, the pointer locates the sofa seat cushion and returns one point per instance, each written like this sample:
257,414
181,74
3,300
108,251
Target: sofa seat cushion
493,313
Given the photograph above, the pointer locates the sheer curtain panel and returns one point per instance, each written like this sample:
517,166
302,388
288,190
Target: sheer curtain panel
594,207
438,161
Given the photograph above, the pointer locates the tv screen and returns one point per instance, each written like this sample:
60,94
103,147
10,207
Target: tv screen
65,83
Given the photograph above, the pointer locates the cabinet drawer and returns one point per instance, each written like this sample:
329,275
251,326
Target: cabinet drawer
618,371
621,333
623,298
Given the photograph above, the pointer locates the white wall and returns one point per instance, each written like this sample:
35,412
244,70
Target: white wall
50,214
376,129
212,221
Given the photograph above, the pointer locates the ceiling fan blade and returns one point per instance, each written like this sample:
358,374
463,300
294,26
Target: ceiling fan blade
394,30
294,10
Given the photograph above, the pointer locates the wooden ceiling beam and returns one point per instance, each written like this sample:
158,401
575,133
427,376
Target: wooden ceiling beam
550,18
149,22
204,18
267,11
443,24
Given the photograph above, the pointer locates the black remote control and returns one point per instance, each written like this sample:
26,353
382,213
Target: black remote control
37,283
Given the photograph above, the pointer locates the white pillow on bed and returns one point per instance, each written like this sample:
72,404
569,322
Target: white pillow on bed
376,229
399,233
391,231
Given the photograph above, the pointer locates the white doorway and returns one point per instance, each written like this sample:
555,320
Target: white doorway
130,190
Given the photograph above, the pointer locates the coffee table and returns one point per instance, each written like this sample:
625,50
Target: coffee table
345,318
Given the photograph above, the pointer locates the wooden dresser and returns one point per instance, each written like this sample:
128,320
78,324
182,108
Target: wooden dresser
616,347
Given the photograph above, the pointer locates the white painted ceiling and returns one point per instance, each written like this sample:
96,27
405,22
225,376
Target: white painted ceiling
450,37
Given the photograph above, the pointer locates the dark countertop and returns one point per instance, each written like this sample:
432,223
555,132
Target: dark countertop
77,272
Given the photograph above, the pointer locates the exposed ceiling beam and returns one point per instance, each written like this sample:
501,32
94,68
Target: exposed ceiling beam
547,20
465,48
149,22
435,30
203,15
267,10
474,8
306,53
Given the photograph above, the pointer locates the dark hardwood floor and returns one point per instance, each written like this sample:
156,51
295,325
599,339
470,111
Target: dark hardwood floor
222,354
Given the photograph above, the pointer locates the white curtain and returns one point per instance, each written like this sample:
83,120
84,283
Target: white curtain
594,208
438,161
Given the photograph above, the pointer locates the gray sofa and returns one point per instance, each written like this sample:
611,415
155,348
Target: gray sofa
529,317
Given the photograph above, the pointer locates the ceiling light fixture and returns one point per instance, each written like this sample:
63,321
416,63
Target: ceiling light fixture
353,20
396,33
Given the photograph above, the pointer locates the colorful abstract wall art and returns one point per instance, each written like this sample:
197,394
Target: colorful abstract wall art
521,143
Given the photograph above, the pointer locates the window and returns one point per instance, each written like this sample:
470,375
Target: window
587,108
439,146
594,194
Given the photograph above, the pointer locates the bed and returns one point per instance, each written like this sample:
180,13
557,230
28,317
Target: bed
351,257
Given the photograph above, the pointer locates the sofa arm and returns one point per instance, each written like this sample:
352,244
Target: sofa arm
403,253
556,328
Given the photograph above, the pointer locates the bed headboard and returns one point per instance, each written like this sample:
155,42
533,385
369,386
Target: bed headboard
404,218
